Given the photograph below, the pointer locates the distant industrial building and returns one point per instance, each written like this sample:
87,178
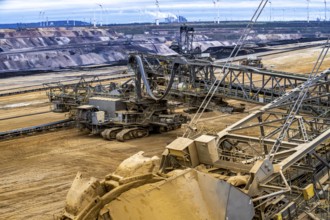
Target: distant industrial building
177,19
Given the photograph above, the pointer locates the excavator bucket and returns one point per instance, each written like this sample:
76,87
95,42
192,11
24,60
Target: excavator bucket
187,195
135,191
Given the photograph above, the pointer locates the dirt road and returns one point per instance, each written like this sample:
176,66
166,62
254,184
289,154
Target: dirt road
36,172
300,61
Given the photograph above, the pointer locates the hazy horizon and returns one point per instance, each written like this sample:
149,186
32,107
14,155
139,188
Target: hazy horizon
132,11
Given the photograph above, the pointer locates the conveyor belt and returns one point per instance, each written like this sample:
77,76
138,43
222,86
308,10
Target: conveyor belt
142,74
34,129
42,88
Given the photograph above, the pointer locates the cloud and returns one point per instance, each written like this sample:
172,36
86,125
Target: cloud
145,4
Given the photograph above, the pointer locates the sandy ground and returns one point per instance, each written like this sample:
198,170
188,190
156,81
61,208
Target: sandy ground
25,108
37,171
301,61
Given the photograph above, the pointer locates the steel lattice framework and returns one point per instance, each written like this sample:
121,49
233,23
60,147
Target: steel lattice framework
250,140
246,147
240,82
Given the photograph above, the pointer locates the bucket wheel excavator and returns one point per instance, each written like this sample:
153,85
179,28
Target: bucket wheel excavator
135,114
247,171
272,164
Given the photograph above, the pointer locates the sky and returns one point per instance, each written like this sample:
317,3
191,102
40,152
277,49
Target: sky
130,11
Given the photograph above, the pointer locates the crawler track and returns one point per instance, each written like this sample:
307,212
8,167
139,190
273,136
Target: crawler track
34,129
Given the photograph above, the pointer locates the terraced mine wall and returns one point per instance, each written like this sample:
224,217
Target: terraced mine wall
53,49
35,50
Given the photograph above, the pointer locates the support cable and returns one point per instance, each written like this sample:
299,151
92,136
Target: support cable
234,53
